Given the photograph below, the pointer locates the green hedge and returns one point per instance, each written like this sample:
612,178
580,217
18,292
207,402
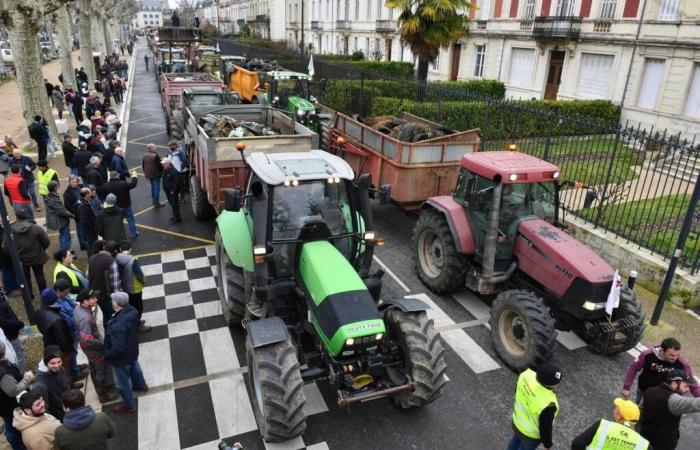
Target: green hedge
386,68
500,119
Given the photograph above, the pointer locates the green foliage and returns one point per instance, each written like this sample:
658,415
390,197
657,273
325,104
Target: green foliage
386,68
357,55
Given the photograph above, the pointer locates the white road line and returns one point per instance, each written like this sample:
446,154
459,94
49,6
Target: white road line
692,313
232,408
158,421
218,350
292,444
319,446
154,358
315,402
462,344
392,274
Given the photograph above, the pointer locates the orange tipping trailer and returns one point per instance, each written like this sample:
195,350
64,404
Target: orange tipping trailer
416,171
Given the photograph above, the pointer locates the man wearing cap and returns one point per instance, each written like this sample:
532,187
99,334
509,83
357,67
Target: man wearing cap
92,344
122,351
655,364
110,222
180,164
32,420
662,409
121,189
12,382
54,381
54,329
618,434
69,150
535,408
171,186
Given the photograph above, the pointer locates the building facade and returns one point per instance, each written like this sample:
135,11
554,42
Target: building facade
644,55
150,14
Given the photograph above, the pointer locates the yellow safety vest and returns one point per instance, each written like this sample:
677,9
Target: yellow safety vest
44,178
60,267
615,436
531,398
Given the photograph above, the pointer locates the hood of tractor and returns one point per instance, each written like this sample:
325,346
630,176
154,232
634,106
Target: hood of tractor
340,306
296,103
556,259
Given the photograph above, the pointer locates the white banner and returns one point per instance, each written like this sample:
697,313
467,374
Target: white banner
614,295
311,66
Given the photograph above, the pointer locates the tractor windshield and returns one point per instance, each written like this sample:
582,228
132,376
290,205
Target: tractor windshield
528,199
206,99
294,206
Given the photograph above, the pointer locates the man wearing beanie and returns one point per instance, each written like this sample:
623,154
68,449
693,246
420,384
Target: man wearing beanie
37,426
122,351
619,433
110,222
535,408
121,188
54,382
53,327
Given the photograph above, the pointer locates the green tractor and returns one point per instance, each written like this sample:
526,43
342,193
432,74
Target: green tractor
293,255
291,92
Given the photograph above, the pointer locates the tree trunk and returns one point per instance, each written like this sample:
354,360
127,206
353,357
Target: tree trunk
98,36
422,73
108,37
85,33
49,33
66,43
22,34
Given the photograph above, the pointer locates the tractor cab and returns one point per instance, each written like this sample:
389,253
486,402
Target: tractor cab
291,92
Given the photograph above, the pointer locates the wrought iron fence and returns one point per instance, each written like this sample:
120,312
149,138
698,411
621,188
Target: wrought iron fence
642,179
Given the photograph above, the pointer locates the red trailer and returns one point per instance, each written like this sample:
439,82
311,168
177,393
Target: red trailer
171,87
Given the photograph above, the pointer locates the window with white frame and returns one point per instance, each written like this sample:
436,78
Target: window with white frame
670,10
436,64
594,75
313,10
355,47
337,10
367,48
651,83
485,10
379,9
521,65
607,9
529,10
479,60
347,9
692,104
565,8
328,9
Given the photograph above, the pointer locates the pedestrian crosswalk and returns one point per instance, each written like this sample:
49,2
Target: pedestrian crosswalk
195,365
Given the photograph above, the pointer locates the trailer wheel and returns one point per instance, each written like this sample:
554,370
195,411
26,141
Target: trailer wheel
201,208
438,263
613,342
522,329
424,357
231,285
275,383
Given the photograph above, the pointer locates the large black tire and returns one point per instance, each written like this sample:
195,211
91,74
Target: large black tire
438,263
522,329
407,131
424,357
201,208
630,309
277,389
175,130
231,285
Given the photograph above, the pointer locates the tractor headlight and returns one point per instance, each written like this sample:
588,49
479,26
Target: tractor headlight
369,235
513,177
276,99
592,306
300,112
312,112
312,99
379,336
555,175
349,342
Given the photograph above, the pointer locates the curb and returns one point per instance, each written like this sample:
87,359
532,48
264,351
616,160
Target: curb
126,110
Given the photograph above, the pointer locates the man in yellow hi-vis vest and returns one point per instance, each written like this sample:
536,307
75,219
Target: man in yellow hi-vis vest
44,175
535,408
616,434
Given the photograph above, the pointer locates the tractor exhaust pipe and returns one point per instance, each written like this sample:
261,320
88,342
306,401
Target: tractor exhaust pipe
489,260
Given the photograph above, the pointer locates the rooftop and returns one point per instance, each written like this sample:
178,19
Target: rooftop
526,168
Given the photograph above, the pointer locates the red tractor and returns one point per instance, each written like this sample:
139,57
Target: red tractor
499,233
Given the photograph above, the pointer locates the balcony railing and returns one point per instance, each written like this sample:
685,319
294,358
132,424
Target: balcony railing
480,24
561,27
250,18
385,26
240,21
262,18
343,25
526,25
602,26
316,25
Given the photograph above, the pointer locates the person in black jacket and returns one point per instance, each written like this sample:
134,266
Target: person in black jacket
93,174
81,159
11,326
110,222
171,186
121,189
11,384
69,153
55,382
37,133
54,329
87,219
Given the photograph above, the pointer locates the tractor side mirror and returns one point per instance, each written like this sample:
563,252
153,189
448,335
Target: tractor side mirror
591,195
232,199
384,194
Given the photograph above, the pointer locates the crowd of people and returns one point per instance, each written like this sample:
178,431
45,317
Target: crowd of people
666,391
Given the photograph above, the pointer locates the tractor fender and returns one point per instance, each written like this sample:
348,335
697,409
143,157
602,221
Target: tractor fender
405,304
456,218
236,238
267,331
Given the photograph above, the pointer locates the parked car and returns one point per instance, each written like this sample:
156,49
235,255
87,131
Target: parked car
7,56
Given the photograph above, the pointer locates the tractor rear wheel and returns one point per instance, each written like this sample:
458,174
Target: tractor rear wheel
438,263
630,310
275,384
522,329
201,208
231,285
424,362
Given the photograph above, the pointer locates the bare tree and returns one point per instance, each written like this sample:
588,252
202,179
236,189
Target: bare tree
187,10
84,14
22,19
65,42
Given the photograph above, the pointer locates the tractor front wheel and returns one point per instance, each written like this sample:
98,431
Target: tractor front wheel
438,263
275,384
424,357
231,285
522,329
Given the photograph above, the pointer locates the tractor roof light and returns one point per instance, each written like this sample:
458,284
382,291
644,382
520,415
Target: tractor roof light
369,235
512,148
555,175
513,177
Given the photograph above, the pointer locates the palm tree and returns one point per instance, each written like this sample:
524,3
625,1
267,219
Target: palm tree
427,25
